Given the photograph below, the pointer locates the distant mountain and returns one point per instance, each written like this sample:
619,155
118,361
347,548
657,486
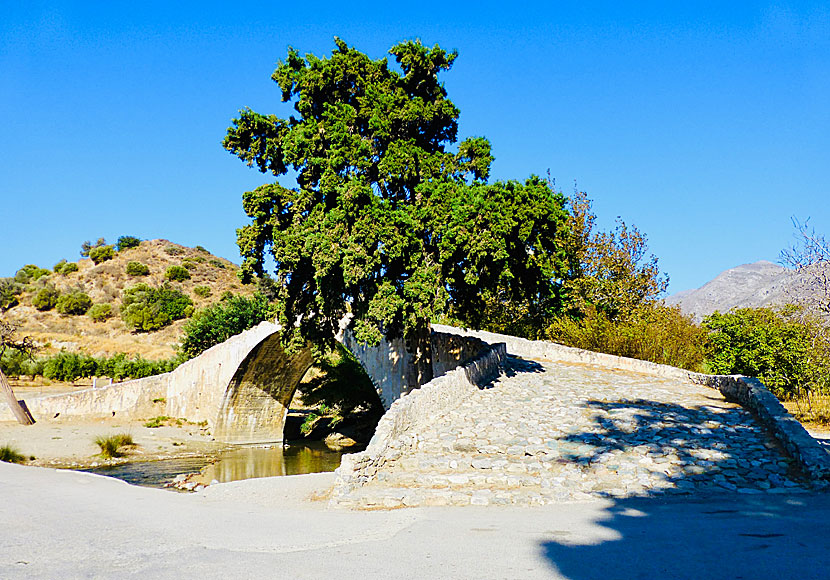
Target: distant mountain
748,286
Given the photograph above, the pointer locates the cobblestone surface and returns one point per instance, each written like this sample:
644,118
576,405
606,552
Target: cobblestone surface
549,432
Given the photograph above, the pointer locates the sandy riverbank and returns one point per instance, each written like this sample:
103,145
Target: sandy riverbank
71,443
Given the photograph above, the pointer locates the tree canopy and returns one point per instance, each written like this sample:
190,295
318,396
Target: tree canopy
386,222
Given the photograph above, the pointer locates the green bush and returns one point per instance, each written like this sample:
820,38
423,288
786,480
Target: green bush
112,445
69,367
59,267
174,250
177,274
217,264
145,308
46,298
652,332
125,242
69,268
189,264
9,291
220,321
77,302
101,254
87,246
11,455
100,312
201,249
137,269
202,291
29,273
788,350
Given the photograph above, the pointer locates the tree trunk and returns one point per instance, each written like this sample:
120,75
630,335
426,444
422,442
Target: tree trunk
21,413
419,351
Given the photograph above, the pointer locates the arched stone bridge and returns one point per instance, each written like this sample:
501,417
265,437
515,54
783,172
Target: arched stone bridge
243,387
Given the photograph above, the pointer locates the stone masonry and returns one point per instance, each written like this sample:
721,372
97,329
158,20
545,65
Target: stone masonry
548,432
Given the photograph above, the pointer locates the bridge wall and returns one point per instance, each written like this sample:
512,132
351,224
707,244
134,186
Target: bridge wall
243,387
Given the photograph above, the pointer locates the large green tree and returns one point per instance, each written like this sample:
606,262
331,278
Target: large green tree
386,222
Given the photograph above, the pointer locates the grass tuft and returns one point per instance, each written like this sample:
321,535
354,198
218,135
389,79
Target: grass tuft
11,455
112,445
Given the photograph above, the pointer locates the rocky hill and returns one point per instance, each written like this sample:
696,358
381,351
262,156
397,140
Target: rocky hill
210,277
749,285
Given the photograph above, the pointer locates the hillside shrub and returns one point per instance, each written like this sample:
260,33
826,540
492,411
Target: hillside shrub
220,321
29,273
9,291
217,264
177,274
788,350
100,312
202,291
59,267
174,250
201,249
126,242
101,254
87,246
137,269
145,308
75,303
651,332
69,268
46,298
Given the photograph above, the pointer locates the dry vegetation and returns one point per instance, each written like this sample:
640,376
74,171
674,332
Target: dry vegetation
105,282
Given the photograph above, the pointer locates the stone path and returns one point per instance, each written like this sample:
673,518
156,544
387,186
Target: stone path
550,432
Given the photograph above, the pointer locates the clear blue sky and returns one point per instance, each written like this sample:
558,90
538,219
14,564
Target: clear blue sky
705,124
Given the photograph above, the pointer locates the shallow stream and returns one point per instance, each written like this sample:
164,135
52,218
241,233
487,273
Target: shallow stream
233,465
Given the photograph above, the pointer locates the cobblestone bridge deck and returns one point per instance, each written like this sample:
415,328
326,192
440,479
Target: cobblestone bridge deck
548,432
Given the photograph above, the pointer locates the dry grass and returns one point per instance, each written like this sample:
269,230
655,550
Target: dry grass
811,410
104,284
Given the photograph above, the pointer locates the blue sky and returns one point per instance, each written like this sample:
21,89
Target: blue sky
704,124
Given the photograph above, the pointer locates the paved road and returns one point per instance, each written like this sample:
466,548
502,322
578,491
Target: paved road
549,432
70,525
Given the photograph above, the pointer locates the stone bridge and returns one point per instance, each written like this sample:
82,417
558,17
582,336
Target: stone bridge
243,387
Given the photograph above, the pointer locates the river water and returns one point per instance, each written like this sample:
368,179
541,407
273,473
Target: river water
233,465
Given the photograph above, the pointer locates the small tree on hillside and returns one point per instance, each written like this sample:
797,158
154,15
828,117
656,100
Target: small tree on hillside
809,256
386,223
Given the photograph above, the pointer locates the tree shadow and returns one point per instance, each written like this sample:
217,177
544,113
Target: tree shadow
709,495
513,366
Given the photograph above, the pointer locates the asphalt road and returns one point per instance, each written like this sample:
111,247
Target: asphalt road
75,525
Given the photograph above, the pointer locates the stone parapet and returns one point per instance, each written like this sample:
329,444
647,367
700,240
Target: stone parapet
397,432
747,391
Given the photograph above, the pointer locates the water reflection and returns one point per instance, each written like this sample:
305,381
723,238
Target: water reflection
251,462
233,465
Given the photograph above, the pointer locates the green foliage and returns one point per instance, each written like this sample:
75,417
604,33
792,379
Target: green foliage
202,291
125,242
9,291
11,455
137,269
59,267
201,249
159,421
87,246
386,223
144,308
69,367
100,312
76,302
46,298
113,445
788,350
341,386
217,264
189,264
174,250
30,273
101,254
218,322
69,268
652,332
177,274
